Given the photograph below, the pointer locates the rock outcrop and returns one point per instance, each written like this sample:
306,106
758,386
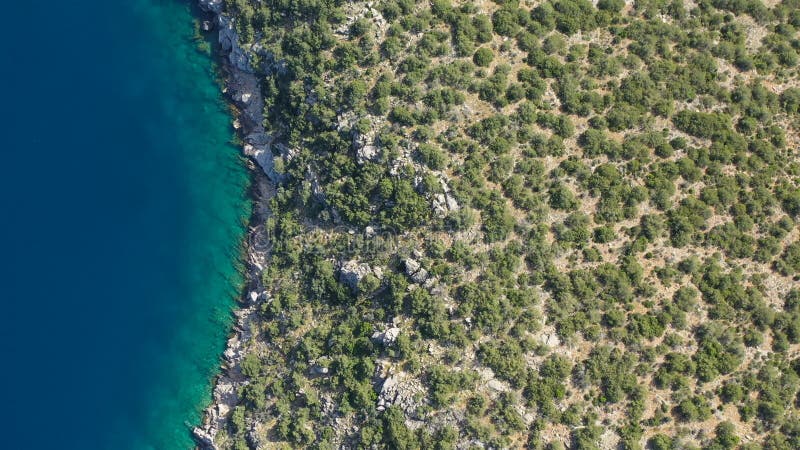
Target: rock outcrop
402,391
415,271
242,88
229,42
213,6
387,337
352,272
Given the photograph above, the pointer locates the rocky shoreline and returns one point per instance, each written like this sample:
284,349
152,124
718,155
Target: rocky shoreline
241,88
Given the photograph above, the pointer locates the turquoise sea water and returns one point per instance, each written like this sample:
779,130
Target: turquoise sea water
123,209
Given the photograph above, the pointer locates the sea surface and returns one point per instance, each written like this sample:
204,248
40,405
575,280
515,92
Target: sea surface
121,220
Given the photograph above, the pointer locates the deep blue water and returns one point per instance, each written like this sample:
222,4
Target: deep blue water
120,223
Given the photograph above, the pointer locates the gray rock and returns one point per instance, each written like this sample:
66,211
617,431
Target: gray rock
364,142
259,147
367,153
229,40
214,6
421,276
319,370
496,385
253,296
259,139
244,89
439,205
452,204
204,440
390,336
412,266
387,337
252,436
359,140
352,273
364,147
415,271
401,391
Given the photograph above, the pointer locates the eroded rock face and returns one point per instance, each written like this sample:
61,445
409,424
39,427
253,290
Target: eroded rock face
229,40
258,146
204,440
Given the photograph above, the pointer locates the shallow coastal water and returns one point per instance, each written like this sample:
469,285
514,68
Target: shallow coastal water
123,205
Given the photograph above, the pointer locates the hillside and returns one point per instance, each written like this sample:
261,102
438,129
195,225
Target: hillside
556,224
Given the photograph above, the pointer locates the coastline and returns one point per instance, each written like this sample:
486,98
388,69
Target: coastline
241,90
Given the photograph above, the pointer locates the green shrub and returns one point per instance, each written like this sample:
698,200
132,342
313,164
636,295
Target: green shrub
483,57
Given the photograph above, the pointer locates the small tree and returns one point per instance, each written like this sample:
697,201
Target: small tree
483,57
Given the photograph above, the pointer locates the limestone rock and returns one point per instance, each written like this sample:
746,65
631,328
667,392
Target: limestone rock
367,153
444,202
363,131
402,391
352,273
229,40
243,88
252,436
550,339
412,266
255,296
440,205
497,385
452,204
258,146
387,337
390,336
415,271
204,440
